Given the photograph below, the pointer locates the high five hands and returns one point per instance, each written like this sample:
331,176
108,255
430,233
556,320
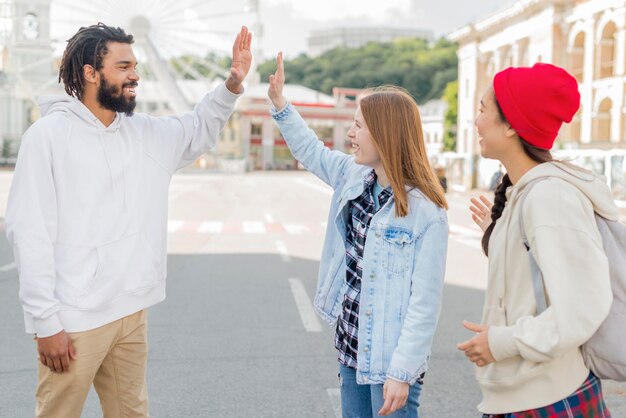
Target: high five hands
242,61
277,81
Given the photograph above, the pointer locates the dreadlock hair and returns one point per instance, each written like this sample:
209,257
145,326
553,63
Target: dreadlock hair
87,47
536,154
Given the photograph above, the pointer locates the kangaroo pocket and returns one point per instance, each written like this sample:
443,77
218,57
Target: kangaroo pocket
509,372
89,278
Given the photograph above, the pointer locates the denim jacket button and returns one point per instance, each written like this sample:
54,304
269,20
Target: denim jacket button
377,234
365,379
366,349
369,312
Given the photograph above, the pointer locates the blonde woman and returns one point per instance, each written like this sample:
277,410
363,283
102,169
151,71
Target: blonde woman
382,267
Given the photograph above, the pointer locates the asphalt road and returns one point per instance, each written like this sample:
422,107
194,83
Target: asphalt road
235,336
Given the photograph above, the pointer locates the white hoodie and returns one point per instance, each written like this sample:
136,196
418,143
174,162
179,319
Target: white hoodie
87,211
538,359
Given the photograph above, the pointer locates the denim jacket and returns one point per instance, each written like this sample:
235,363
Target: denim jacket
403,266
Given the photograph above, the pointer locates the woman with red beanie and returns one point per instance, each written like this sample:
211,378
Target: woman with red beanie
530,364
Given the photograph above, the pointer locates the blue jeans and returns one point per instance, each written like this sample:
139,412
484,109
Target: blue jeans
364,401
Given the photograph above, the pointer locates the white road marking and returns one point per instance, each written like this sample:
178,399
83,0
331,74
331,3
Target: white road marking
305,308
8,267
334,395
253,227
282,250
295,229
462,230
210,227
320,187
173,226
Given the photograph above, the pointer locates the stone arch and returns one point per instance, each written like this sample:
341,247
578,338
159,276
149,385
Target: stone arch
602,120
576,56
606,49
574,128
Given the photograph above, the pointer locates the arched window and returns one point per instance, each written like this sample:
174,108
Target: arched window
606,51
574,127
577,56
602,121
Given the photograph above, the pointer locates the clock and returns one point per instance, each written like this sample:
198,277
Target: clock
30,27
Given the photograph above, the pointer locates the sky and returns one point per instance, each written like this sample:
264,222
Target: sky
192,26
287,23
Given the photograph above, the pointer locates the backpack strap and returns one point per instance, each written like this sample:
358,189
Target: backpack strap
537,276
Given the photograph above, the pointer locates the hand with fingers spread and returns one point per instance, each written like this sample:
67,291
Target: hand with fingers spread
395,395
56,351
277,81
481,212
477,349
242,61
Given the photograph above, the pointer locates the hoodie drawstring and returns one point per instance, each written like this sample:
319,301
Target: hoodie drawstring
106,157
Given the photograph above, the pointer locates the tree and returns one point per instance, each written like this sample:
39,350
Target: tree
7,148
451,97
422,69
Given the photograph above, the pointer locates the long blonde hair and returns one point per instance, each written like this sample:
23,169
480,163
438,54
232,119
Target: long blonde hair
394,123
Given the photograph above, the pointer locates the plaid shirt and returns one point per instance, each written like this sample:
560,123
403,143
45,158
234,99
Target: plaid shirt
362,209
587,401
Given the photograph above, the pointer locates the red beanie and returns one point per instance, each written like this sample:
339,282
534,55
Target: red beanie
536,101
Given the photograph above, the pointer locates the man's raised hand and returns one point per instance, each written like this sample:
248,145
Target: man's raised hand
242,60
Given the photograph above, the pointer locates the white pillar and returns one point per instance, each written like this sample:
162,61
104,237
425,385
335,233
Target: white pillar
267,140
469,82
586,88
515,54
620,51
245,135
339,135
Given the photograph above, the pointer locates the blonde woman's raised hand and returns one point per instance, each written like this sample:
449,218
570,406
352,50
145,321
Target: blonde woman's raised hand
277,81
481,212
242,60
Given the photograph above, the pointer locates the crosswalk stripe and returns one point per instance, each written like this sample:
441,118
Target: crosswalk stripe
296,229
244,227
173,226
210,227
253,227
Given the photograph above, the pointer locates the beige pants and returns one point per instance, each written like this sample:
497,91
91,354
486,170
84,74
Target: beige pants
113,358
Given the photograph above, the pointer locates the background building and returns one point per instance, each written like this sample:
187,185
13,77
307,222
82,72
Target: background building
588,38
433,113
26,69
320,41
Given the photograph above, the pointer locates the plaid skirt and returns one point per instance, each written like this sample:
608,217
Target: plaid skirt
586,402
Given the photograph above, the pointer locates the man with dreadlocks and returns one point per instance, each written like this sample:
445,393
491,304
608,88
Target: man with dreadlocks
87,220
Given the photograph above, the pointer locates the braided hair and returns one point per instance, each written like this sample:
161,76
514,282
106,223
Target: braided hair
87,47
536,154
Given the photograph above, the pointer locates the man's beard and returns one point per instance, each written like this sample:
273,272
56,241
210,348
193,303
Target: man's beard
112,98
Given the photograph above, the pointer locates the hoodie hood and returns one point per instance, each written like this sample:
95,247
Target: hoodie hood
67,104
591,185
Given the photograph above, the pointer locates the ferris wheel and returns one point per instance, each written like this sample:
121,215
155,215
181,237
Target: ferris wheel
174,39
